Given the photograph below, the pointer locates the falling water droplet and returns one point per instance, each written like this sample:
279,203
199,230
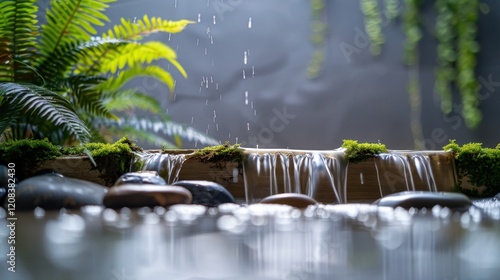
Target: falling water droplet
197,42
216,86
250,22
169,36
245,58
211,41
244,76
214,19
253,71
215,116
361,178
208,128
175,4
199,15
211,79
251,104
236,142
248,126
206,102
255,112
220,96
205,51
196,144
217,126
192,119
246,97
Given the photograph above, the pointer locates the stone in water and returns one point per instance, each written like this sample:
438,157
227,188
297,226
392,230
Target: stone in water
137,195
206,193
422,199
53,192
292,199
145,177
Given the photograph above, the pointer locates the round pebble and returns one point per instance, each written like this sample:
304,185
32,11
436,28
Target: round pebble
292,199
137,195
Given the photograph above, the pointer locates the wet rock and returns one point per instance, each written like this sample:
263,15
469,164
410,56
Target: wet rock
497,197
4,175
54,192
3,194
422,199
145,177
206,193
145,195
292,199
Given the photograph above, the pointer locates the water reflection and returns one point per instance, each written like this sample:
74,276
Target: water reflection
345,241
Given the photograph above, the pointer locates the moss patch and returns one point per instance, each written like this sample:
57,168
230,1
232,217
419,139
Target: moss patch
220,154
26,154
357,152
480,165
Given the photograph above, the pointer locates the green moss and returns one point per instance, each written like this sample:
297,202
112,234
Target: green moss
220,154
27,154
480,165
112,159
357,152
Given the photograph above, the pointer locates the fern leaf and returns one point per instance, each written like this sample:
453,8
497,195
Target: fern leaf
130,99
115,83
71,21
134,54
44,105
18,43
137,30
83,92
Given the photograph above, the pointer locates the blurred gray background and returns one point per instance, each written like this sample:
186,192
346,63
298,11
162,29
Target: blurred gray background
271,102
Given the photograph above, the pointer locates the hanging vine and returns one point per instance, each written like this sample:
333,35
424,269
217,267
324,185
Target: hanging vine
319,27
456,28
373,25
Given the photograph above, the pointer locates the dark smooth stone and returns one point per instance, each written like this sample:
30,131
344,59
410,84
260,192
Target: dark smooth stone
146,177
4,175
206,193
497,197
3,194
292,199
53,192
144,195
421,199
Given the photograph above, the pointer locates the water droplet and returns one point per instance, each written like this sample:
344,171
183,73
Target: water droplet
246,97
175,4
205,51
197,42
206,102
212,42
236,142
253,71
245,57
208,32
250,22
192,119
251,104
216,126
217,86
361,178
214,19
248,126
208,128
199,15
255,112
169,36
244,76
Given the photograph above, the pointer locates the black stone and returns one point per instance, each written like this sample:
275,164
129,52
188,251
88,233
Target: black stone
293,199
146,177
145,195
421,199
4,175
3,194
206,193
53,192
497,197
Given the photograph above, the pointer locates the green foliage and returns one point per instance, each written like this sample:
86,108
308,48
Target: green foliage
220,153
57,81
357,152
373,25
319,30
480,165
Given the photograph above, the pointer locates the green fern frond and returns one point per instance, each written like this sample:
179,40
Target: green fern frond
65,58
71,21
83,92
117,82
142,27
129,99
135,54
42,104
18,33
169,128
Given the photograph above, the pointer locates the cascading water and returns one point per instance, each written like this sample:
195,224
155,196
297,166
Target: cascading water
302,172
168,166
404,171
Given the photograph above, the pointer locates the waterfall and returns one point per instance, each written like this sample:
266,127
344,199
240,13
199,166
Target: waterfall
168,166
300,172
